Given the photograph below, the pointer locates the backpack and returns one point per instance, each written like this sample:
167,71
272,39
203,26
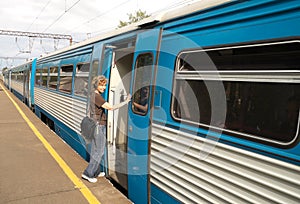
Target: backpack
88,126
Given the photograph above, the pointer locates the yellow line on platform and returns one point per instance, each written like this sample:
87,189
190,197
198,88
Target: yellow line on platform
68,171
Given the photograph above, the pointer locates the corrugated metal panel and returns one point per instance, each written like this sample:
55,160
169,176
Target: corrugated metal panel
197,170
68,110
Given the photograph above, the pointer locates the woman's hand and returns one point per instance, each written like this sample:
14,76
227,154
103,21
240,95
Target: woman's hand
128,98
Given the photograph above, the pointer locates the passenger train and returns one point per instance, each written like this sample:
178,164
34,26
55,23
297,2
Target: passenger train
219,82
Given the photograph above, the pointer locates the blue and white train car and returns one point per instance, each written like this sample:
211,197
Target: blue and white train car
214,116
18,80
60,93
228,132
2,76
5,74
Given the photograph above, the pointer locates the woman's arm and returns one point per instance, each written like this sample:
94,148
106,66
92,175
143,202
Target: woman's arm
107,106
141,107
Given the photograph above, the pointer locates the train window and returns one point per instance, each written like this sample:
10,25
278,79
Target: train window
143,72
44,76
262,105
65,81
16,76
81,79
273,56
20,77
38,81
12,76
53,76
94,71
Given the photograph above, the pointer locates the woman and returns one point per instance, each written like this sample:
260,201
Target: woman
97,110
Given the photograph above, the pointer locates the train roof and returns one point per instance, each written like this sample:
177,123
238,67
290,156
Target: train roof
147,22
23,66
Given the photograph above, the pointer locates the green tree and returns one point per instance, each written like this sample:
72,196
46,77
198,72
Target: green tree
133,18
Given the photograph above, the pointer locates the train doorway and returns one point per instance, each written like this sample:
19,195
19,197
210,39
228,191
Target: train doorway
119,85
26,94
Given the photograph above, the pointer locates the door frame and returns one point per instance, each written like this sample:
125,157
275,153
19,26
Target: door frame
148,41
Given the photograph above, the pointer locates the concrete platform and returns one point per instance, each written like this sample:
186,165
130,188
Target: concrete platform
30,174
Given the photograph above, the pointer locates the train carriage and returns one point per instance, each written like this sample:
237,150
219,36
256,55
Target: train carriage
2,76
214,116
19,81
5,77
61,85
225,133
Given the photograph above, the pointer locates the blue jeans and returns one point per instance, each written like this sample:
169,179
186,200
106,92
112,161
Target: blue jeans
97,151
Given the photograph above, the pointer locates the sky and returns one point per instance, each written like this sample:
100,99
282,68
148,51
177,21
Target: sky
81,19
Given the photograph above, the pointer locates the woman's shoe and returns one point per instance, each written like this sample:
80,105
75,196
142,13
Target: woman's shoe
101,174
92,180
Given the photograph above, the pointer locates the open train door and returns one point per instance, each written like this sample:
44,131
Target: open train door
139,121
117,126
26,93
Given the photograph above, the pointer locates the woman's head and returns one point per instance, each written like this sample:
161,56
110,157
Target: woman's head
99,83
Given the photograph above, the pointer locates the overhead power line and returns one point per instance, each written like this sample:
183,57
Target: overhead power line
2,57
101,14
59,17
39,14
37,35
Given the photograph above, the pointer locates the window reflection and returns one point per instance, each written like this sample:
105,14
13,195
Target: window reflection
141,98
143,72
53,76
65,82
268,110
81,79
257,106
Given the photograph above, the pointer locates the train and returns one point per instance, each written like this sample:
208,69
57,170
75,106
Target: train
219,82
